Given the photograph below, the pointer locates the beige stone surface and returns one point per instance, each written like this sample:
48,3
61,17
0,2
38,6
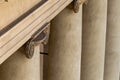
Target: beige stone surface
65,46
113,41
1,1
45,65
41,67
15,37
12,9
18,67
94,35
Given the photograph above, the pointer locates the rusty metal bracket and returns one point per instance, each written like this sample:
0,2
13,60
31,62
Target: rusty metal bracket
40,37
77,3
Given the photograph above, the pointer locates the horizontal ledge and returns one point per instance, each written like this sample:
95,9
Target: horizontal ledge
13,39
12,24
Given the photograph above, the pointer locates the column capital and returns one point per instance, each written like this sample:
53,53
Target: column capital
39,37
77,3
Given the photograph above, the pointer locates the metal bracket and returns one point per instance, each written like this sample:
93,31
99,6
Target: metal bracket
40,37
77,3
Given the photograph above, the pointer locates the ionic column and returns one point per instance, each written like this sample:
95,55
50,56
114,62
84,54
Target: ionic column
113,41
18,67
65,46
94,34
